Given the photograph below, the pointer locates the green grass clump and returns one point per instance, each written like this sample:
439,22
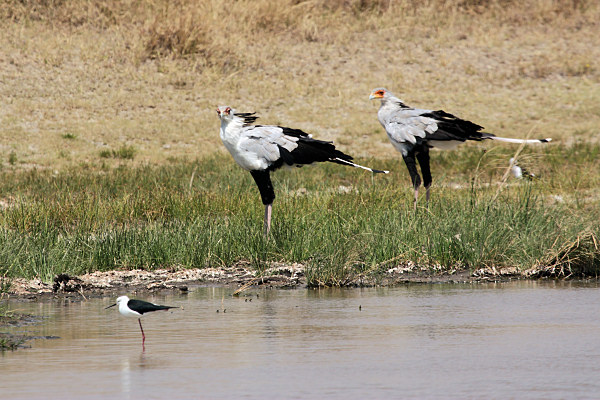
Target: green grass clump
4,313
9,342
8,317
123,152
339,222
12,158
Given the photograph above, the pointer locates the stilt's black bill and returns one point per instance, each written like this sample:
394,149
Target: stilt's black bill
110,306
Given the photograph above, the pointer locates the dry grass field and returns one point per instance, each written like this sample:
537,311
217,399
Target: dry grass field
96,83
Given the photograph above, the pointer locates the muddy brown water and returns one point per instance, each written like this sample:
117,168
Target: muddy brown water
497,341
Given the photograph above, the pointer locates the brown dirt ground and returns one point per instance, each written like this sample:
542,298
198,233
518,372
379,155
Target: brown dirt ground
68,94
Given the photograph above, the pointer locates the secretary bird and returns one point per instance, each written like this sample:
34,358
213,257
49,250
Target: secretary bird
261,149
414,131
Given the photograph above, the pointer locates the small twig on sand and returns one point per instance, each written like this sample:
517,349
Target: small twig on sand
246,285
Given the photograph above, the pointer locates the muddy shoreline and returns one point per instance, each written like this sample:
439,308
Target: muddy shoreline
241,277
16,341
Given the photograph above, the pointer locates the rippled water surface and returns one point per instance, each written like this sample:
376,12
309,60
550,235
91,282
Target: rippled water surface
517,340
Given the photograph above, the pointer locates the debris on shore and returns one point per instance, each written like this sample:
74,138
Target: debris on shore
242,275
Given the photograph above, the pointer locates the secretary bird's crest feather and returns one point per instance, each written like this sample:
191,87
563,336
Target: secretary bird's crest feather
249,118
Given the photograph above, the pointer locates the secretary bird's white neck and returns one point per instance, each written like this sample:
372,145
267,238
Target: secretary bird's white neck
392,102
231,128
389,106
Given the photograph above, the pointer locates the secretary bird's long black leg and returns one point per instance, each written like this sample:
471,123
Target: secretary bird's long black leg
267,194
423,158
411,164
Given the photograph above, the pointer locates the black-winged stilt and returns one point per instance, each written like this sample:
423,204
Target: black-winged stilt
137,308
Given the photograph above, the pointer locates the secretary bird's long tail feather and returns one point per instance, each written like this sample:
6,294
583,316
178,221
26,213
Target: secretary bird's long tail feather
342,161
511,140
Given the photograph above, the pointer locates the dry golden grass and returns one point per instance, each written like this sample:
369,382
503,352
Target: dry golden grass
78,77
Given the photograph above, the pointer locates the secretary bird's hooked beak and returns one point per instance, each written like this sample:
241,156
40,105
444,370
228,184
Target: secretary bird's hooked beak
106,308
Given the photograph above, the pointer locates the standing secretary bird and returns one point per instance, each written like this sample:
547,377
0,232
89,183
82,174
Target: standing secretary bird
413,132
261,149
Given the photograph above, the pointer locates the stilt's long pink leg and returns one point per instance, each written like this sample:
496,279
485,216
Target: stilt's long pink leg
142,329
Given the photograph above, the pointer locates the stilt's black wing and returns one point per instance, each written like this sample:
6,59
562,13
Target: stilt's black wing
144,307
